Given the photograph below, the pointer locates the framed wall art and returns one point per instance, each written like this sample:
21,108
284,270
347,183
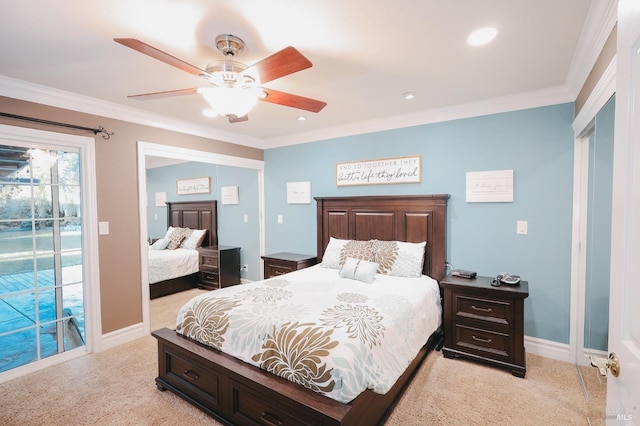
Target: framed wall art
193,186
380,171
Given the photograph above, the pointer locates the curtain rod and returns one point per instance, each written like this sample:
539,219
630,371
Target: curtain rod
105,135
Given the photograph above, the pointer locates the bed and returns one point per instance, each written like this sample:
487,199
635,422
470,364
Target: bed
172,271
236,392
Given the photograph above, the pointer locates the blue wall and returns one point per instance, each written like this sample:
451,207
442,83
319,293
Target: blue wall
536,143
232,230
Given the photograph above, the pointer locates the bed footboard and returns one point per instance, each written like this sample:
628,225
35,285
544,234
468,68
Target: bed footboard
238,393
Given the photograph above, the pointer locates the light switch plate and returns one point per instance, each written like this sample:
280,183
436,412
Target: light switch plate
103,228
521,227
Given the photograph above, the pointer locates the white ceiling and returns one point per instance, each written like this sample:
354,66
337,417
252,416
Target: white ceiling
365,54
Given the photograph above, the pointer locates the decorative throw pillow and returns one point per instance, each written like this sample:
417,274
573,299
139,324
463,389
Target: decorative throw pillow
176,238
398,258
357,250
194,239
358,269
385,254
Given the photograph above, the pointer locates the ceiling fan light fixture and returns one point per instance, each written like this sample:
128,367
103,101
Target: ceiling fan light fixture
230,102
209,112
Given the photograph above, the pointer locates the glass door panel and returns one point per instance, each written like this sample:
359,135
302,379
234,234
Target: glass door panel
41,254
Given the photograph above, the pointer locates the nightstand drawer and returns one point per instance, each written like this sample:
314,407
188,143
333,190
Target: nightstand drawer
483,342
209,262
495,311
283,263
219,266
273,269
209,278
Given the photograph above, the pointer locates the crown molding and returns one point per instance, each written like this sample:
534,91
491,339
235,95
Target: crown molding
602,92
31,92
601,18
534,99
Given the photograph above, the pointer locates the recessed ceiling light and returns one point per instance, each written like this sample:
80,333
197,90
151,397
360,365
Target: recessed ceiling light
482,36
301,118
409,95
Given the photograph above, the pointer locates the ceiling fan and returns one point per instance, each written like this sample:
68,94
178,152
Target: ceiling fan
234,88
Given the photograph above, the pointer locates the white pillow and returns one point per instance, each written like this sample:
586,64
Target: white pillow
331,256
358,269
194,240
169,231
160,244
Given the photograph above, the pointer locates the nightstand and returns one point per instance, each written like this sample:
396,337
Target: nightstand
485,323
219,266
281,263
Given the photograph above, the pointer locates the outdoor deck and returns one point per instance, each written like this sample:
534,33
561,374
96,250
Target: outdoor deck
18,312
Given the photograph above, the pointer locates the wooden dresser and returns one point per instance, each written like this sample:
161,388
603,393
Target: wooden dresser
485,323
281,263
219,266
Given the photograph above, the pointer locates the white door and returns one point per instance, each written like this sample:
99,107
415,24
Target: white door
623,392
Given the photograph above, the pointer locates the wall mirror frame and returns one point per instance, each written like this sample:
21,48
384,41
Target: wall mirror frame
149,149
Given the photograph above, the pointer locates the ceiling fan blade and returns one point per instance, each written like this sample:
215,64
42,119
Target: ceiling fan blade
160,55
285,62
166,94
295,101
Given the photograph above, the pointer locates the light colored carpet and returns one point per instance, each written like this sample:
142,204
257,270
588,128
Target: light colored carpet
117,387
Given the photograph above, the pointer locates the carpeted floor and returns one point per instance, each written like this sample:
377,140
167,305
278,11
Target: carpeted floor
116,387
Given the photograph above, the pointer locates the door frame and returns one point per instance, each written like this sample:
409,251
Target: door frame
582,126
91,269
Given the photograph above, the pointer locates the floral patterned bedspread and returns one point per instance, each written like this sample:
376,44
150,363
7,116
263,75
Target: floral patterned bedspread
334,335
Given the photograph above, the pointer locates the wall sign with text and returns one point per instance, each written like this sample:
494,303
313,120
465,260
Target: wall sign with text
380,171
193,186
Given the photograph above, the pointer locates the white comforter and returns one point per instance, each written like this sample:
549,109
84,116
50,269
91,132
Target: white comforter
167,264
334,335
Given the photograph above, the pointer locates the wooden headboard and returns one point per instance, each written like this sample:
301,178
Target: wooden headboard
410,218
195,215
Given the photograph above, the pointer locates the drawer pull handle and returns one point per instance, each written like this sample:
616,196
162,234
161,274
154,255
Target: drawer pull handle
191,375
479,339
476,308
270,419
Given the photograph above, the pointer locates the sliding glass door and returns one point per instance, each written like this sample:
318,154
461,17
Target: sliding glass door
42,292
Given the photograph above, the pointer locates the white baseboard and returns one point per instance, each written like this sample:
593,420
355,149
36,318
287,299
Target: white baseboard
123,335
559,351
547,348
